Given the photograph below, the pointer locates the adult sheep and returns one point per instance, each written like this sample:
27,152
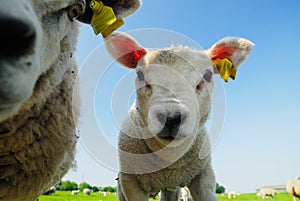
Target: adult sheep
86,191
267,192
37,75
162,137
185,194
75,192
232,194
293,188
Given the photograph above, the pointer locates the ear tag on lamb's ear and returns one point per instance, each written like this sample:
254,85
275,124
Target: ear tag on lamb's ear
225,68
104,20
132,58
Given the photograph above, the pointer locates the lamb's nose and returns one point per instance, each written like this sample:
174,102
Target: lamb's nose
171,122
17,36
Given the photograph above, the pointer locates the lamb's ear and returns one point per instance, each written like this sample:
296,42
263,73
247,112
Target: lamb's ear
228,54
124,49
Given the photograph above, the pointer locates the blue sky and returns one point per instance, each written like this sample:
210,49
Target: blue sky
259,144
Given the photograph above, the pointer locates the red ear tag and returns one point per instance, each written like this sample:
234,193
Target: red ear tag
131,59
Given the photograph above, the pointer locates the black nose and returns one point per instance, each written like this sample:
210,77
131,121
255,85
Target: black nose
171,122
17,36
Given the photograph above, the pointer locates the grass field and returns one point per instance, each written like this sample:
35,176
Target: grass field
66,196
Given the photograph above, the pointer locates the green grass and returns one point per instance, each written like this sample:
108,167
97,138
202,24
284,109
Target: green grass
253,197
66,196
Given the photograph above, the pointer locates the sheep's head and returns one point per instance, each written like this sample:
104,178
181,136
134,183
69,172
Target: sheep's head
33,34
174,84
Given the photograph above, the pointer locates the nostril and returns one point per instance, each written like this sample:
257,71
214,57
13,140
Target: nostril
162,117
174,121
17,37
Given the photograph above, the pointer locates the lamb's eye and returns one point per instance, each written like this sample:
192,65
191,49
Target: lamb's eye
74,10
140,75
141,78
207,75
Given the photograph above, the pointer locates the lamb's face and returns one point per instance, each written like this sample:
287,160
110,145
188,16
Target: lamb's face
174,85
33,34
174,88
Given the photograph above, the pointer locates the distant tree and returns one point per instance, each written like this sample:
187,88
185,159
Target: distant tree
84,185
95,188
110,189
220,189
68,186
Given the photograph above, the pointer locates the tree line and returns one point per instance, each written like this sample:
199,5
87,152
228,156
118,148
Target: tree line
71,185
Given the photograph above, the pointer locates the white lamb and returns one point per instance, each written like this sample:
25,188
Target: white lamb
161,138
37,74
293,188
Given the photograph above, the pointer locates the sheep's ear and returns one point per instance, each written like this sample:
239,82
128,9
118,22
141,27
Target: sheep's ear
124,49
228,54
122,9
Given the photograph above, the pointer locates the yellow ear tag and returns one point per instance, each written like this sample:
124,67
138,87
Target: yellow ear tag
104,20
225,69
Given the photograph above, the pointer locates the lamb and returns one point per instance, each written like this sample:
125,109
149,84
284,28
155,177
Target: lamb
264,192
293,188
37,75
161,138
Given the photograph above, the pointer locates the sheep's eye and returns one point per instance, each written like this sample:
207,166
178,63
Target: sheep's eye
207,75
74,10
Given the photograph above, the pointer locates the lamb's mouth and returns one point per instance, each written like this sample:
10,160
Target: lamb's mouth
168,134
170,138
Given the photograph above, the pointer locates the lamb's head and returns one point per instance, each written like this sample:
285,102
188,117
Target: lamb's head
33,35
174,85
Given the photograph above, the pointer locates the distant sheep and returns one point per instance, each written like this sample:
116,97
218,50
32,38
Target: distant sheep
161,138
266,192
104,193
38,120
87,191
50,191
75,192
185,194
293,188
232,194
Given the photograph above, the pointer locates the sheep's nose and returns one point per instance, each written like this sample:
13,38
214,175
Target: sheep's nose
17,36
171,123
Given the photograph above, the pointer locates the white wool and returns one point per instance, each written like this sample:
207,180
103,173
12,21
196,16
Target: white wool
293,188
170,83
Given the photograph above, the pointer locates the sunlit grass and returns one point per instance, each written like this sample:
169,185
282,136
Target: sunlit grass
67,196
